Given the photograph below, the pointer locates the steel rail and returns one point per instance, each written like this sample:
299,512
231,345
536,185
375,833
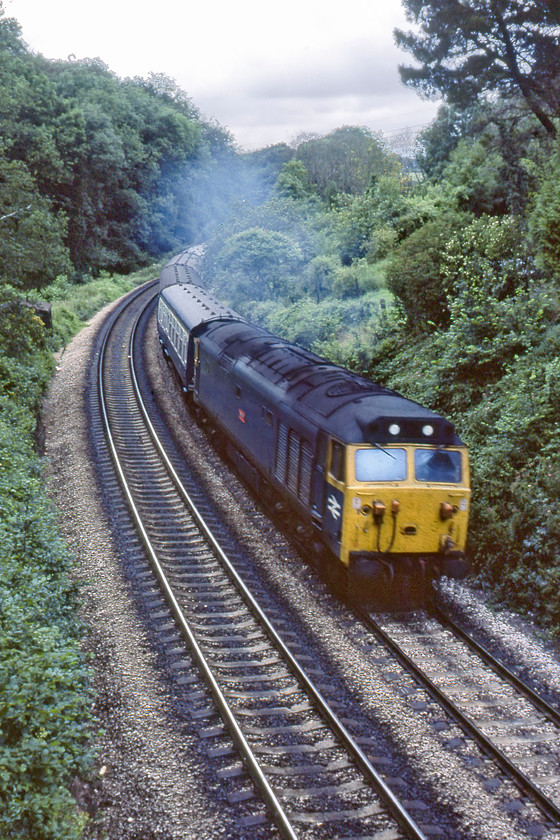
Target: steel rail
540,799
498,667
401,816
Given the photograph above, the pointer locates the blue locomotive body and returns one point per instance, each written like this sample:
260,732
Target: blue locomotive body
367,476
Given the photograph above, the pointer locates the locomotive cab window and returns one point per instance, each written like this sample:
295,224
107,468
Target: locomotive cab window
337,461
437,466
380,464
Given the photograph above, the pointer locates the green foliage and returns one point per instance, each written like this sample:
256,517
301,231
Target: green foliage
264,251
475,174
319,276
487,259
32,249
466,50
44,695
336,329
440,138
358,279
256,264
417,276
545,219
104,172
73,305
293,181
347,160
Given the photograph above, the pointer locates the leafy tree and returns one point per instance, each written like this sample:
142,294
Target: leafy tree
436,142
32,249
267,163
466,48
301,222
256,264
320,274
474,174
486,259
119,160
346,160
293,181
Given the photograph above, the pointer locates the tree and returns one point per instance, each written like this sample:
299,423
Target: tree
347,158
471,47
293,181
475,175
116,163
437,141
257,263
320,274
32,249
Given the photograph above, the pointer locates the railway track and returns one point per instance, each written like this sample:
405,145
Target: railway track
284,755
512,725
311,777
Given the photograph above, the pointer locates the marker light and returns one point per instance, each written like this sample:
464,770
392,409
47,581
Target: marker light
394,429
446,511
427,430
378,511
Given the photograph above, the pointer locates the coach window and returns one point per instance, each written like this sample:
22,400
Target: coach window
337,461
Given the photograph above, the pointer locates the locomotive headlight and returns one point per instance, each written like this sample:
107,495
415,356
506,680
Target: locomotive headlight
394,429
427,430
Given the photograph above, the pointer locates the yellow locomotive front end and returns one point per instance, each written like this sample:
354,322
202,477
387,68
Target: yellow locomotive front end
404,514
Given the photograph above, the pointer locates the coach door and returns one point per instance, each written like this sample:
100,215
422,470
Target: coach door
196,366
334,501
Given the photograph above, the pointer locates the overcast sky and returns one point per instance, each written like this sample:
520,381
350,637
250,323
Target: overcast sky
265,71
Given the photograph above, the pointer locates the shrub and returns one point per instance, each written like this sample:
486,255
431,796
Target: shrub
44,698
416,274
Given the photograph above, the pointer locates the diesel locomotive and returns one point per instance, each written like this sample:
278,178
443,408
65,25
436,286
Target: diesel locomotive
375,486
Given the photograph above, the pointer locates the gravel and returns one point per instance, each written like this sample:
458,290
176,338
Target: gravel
517,640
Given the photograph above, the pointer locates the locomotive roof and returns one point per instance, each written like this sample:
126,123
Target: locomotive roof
351,407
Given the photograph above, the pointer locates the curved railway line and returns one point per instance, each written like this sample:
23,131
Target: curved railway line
286,752
283,728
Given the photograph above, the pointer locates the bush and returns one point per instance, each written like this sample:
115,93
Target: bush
73,305
44,698
416,274
545,220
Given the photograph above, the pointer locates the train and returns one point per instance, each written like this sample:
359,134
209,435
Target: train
374,486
